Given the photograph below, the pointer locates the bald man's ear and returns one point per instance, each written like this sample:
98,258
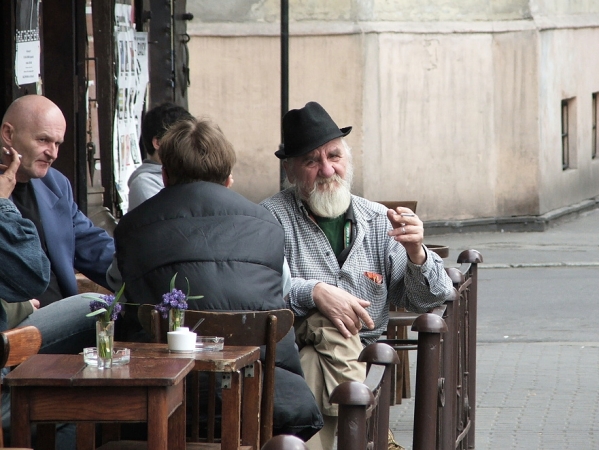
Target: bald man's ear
164,177
6,132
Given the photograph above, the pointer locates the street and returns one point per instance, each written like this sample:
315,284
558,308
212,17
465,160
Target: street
538,338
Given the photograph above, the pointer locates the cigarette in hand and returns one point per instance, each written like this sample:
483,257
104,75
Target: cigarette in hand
6,152
407,215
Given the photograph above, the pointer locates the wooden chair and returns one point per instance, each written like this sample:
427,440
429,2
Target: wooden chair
16,346
85,285
239,328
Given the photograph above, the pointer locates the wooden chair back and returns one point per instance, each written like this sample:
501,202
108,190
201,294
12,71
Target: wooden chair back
239,328
16,346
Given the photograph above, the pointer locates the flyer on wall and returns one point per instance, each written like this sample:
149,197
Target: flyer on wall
132,80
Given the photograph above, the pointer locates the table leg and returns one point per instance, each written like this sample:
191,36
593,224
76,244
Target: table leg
157,425
194,388
231,411
250,405
176,424
20,425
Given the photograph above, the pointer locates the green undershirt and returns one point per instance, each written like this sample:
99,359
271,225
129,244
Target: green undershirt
333,230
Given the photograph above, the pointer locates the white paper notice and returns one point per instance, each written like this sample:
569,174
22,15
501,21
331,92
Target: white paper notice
27,62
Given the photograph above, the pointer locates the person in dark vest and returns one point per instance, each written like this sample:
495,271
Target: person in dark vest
229,248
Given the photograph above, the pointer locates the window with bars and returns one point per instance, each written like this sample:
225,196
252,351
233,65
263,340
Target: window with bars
569,134
595,132
565,136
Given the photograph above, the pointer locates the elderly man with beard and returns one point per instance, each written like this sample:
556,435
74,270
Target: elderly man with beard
349,258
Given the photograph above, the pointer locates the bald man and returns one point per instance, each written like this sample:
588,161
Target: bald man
32,130
34,126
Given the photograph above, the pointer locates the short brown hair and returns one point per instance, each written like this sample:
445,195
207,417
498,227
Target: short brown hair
196,150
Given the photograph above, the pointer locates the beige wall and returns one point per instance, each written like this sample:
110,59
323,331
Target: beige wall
516,123
457,107
569,68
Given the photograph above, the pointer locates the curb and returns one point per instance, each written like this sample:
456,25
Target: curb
537,265
512,223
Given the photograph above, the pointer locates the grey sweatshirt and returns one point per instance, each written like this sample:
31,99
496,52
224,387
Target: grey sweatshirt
144,182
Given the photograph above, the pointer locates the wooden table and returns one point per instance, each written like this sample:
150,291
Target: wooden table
239,366
62,388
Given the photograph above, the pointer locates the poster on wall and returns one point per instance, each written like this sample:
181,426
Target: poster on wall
132,80
27,38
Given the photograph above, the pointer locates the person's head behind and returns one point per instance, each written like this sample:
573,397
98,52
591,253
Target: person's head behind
317,160
34,126
157,120
196,150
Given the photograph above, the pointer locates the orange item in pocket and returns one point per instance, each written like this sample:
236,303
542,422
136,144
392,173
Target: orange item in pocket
376,277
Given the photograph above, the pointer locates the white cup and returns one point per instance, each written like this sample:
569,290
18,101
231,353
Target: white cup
181,341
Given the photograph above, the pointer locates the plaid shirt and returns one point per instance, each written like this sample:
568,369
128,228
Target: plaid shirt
312,260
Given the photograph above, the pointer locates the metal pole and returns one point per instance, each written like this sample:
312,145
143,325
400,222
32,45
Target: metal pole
284,76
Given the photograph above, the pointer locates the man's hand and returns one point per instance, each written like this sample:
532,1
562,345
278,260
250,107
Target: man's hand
408,230
343,309
8,179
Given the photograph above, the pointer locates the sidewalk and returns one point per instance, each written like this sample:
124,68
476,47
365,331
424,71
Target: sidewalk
538,339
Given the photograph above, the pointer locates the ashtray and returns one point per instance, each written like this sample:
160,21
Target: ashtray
209,343
120,356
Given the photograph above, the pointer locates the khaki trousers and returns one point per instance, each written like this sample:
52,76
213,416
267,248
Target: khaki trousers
328,359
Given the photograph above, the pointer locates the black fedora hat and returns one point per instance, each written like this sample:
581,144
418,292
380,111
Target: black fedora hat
306,129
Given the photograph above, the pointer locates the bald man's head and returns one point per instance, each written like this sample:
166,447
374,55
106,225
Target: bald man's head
34,126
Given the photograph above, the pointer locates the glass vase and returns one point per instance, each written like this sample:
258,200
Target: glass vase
104,343
176,319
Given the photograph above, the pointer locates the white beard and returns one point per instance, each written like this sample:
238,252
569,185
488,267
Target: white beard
330,197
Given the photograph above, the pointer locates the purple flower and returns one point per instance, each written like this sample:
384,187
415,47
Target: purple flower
174,299
105,302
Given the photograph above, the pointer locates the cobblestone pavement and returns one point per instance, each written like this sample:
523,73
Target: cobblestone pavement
539,395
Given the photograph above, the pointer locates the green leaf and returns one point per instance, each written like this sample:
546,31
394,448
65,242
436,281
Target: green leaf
173,282
96,312
187,296
117,298
187,293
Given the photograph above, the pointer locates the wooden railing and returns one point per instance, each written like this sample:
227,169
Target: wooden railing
364,407
445,397
445,394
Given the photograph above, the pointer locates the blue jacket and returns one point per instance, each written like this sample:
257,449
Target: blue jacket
72,239
25,270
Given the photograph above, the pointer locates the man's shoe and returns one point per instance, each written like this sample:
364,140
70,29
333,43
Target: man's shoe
392,445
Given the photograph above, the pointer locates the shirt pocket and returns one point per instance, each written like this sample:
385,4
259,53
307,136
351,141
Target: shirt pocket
373,291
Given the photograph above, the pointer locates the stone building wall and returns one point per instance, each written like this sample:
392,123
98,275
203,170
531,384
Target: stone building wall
454,103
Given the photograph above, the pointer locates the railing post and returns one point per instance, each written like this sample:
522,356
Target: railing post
353,398
450,367
473,258
385,355
429,328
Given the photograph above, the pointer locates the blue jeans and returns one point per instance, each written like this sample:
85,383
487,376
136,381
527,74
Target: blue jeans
64,327
65,330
